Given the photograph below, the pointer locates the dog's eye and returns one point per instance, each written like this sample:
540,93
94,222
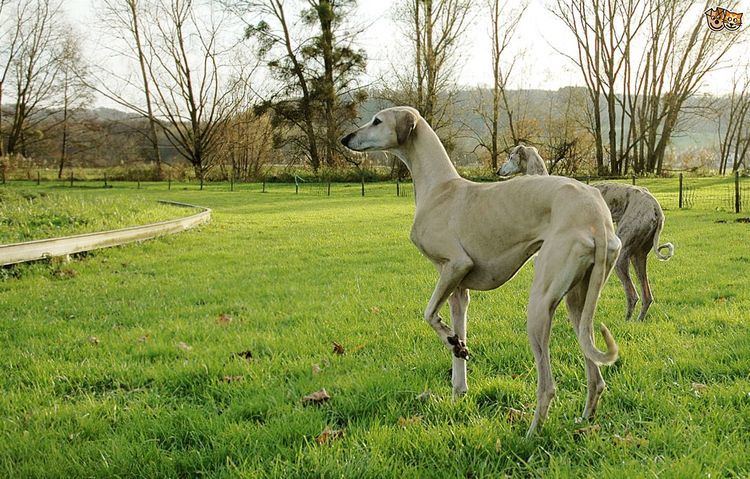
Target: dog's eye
376,121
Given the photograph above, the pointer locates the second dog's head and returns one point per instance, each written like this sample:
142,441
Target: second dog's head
389,129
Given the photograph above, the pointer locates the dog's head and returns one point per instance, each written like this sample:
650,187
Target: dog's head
516,162
389,129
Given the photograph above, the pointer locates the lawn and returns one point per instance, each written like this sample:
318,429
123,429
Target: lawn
190,355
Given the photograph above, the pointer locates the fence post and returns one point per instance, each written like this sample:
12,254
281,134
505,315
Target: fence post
362,179
737,199
398,187
680,197
231,181
38,178
633,179
329,187
264,185
169,181
296,185
3,168
588,179
71,179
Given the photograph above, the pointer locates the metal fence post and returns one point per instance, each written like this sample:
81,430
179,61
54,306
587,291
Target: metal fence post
680,197
71,179
105,180
588,179
169,181
362,178
398,187
38,178
264,186
633,179
737,199
231,182
329,187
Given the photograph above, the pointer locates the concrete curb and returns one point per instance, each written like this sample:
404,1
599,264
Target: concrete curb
66,245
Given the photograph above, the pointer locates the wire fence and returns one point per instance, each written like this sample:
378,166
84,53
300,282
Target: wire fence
730,194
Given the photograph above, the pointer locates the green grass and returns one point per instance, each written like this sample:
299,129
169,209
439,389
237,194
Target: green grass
26,214
96,382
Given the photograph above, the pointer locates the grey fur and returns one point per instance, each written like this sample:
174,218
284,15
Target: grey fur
637,214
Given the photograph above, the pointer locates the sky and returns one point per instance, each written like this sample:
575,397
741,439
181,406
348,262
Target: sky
542,67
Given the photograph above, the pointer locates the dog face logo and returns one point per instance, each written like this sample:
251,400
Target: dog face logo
719,19
715,18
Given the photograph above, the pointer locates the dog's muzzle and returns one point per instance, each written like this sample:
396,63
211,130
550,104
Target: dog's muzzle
345,140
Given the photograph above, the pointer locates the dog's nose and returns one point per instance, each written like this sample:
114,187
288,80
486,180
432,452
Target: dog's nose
345,140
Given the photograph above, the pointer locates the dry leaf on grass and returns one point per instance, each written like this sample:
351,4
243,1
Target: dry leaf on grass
585,431
329,435
629,440
338,349
424,396
405,422
698,388
233,379
246,355
318,397
93,340
184,346
375,310
315,369
143,338
514,415
223,319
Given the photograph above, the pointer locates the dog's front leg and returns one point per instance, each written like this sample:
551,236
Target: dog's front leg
451,274
459,302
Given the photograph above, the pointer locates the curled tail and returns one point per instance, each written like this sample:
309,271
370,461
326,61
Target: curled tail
585,328
657,233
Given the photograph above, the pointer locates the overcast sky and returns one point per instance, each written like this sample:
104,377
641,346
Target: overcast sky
541,67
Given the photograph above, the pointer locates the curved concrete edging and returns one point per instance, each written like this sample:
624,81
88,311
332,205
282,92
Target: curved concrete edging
49,248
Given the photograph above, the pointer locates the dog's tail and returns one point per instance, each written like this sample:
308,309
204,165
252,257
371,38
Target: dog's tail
597,280
657,247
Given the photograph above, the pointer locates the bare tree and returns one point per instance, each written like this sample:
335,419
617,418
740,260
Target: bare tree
435,29
75,95
124,18
503,24
34,68
734,140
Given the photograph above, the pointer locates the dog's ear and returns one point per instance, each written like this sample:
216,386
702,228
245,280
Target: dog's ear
406,121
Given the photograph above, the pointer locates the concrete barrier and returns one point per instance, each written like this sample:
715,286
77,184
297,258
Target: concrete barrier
67,245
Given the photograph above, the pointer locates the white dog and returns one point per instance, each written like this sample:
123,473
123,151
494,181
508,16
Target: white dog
479,235
639,220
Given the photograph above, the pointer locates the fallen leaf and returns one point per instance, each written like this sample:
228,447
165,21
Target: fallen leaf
315,369
584,431
223,319
329,435
424,396
143,338
233,379
246,355
318,397
375,310
93,340
184,346
405,422
338,349
515,415
629,440
698,388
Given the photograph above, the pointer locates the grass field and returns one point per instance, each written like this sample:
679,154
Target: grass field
26,214
128,365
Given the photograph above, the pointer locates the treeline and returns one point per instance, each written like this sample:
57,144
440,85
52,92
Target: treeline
231,87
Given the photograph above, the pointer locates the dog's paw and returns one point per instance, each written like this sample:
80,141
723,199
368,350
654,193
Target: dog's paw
459,347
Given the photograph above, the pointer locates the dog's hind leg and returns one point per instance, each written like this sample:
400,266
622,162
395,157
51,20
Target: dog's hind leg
459,302
575,300
557,267
640,260
622,268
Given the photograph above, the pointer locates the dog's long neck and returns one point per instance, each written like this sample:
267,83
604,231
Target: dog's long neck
427,160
